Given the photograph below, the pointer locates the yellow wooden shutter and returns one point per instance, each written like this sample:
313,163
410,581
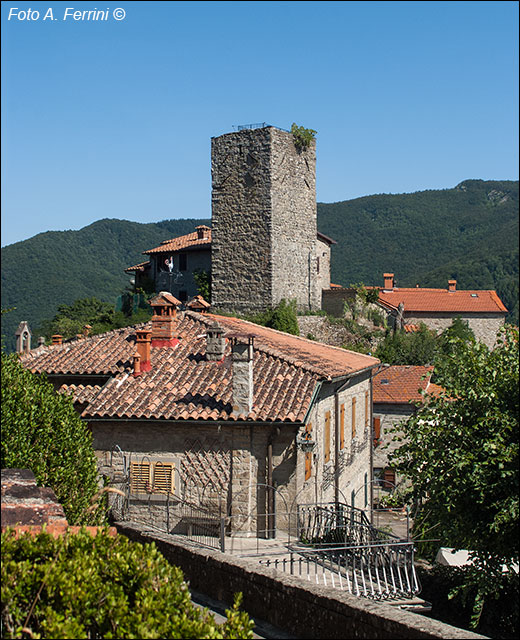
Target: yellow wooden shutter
308,454
353,417
327,436
164,477
140,481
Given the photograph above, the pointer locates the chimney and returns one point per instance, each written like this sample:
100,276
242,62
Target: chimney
56,338
389,281
23,338
452,285
143,343
202,231
242,353
215,342
86,330
41,341
164,320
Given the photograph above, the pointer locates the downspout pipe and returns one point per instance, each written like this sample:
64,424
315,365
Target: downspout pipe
270,488
337,438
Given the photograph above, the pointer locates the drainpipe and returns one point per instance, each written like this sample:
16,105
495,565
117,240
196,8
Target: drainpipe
337,438
270,489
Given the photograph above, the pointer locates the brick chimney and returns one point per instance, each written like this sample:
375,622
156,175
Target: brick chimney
164,320
452,285
41,341
389,281
56,338
143,343
242,366
202,232
215,342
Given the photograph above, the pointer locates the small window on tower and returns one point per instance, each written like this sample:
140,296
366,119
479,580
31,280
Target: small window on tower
183,261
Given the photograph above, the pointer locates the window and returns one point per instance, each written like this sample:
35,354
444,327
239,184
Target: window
327,437
366,489
183,261
377,431
389,479
152,477
342,426
317,265
308,454
353,417
183,296
378,476
352,498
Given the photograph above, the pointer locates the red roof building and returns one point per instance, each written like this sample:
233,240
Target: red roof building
218,402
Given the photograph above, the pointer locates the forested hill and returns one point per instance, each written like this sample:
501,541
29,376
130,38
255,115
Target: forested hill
469,233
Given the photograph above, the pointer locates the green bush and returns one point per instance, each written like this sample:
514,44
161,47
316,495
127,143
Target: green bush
41,431
81,586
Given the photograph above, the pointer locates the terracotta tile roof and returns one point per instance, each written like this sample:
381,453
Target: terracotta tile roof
81,394
441,300
142,266
183,385
410,328
398,384
189,241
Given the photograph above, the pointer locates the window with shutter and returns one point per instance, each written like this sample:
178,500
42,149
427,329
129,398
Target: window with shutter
164,478
377,431
308,454
140,480
389,479
353,417
327,437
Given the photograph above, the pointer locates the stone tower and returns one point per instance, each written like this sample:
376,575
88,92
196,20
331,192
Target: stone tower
264,221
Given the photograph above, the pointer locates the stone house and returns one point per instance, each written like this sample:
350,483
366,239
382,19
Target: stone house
396,393
171,266
220,413
483,310
407,307
264,244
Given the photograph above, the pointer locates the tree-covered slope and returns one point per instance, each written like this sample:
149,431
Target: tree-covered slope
469,233
58,267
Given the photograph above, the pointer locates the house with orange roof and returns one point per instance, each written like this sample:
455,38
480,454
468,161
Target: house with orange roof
407,308
172,265
218,413
396,395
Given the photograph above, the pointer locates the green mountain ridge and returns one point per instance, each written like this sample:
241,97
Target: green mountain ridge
469,233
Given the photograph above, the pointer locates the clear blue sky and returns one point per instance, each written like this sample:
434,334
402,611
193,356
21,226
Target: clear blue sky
113,119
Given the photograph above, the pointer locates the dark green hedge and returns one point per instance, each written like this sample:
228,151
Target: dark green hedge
81,586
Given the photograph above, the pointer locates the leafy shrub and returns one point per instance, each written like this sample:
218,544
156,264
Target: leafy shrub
283,317
203,281
81,586
302,137
42,431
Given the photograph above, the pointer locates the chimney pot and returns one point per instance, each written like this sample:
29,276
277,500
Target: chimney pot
452,285
388,281
137,364
41,341
56,338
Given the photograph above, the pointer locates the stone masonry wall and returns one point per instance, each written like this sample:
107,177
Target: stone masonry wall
294,230
391,415
217,466
241,220
485,326
264,221
291,603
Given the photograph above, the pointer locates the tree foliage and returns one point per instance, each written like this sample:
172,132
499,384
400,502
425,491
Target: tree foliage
203,281
41,431
399,348
80,586
283,317
460,451
302,137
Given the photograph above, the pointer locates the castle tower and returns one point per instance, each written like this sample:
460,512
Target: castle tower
264,221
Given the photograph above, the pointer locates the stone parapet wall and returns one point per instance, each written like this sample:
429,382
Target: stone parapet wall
303,609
